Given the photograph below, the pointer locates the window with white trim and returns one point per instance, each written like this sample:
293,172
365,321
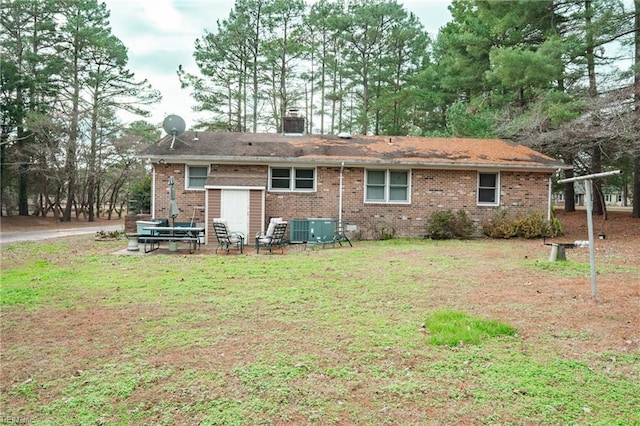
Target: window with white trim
387,186
612,198
196,176
292,179
489,189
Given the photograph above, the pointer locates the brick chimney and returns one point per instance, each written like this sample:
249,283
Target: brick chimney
293,123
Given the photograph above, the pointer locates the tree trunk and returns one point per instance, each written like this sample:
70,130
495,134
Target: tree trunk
239,103
93,158
596,155
255,67
71,152
596,167
636,188
636,165
336,103
569,190
4,137
21,136
590,56
98,203
309,93
365,101
23,168
245,88
323,85
284,102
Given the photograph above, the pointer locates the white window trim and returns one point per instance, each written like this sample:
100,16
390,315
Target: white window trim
186,176
292,179
497,189
386,186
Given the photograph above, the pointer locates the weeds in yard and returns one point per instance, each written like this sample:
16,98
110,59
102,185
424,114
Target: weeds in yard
568,268
326,336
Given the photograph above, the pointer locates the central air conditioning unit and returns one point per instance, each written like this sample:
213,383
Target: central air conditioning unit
312,229
299,231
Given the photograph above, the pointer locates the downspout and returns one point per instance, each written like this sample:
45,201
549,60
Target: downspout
550,197
340,200
153,191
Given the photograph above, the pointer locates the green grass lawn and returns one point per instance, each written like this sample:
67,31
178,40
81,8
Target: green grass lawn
393,332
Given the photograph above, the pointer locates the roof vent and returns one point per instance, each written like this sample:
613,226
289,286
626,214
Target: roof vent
344,135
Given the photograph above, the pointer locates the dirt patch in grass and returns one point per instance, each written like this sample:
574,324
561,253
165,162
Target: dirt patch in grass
57,345
607,323
618,226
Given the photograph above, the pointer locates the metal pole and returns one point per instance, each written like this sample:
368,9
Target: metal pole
152,210
340,201
588,200
592,249
593,176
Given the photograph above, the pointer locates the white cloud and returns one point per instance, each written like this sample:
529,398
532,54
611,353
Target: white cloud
160,36
162,15
145,43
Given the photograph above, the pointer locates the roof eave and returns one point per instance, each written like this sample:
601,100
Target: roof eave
243,187
358,162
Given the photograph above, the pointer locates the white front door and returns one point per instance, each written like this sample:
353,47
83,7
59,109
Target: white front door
235,209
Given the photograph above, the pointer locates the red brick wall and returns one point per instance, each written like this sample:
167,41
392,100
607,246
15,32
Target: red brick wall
431,191
190,202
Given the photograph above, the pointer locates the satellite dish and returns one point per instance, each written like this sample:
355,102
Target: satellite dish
173,125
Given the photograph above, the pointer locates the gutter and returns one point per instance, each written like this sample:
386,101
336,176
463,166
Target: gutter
246,160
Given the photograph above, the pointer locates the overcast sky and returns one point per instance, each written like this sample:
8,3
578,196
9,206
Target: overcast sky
160,35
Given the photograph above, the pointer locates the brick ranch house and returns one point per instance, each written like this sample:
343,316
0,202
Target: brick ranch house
388,183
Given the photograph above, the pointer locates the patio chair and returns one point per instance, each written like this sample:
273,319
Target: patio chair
226,239
340,236
270,228
276,239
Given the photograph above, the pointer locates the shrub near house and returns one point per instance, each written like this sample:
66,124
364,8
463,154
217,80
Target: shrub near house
505,224
446,225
